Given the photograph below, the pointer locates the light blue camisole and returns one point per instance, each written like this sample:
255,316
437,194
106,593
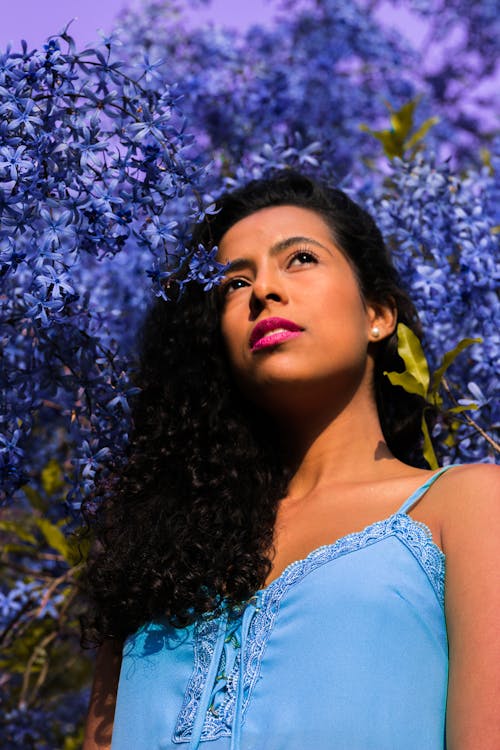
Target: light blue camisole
346,650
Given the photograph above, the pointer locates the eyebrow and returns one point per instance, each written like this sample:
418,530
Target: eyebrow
240,263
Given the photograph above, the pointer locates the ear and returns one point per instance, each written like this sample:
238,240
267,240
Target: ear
382,319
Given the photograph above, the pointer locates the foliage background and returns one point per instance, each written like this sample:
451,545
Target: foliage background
108,154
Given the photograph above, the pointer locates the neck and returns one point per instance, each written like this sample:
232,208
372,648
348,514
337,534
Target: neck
335,447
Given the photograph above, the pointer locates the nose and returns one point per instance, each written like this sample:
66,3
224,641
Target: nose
267,287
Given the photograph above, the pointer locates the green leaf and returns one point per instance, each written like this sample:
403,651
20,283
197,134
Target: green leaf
402,120
397,139
410,350
450,440
75,742
406,381
462,407
54,537
13,527
420,134
78,548
17,549
435,399
52,477
485,155
14,658
448,360
429,453
388,138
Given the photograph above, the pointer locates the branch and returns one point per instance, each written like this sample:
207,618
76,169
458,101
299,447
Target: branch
469,420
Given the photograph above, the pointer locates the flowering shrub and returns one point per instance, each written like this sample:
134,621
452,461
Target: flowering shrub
91,159
443,243
107,156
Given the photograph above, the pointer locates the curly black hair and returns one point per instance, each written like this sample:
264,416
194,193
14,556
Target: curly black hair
189,521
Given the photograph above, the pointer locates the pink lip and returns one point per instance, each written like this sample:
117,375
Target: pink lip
259,339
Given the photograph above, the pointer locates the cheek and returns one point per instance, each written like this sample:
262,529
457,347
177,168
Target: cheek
339,306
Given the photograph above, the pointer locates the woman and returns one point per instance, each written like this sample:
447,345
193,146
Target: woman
272,555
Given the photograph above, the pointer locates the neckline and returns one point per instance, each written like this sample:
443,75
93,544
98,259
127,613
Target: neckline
285,573
402,511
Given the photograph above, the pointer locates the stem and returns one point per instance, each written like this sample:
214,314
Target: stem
15,624
469,420
53,586
39,650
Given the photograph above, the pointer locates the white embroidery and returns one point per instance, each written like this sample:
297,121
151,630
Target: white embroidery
219,716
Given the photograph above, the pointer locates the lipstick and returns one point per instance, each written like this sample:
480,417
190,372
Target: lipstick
273,331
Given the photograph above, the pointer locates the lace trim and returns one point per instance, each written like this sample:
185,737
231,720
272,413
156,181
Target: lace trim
218,720
415,534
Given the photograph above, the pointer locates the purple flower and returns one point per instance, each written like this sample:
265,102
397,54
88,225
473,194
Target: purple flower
14,160
25,115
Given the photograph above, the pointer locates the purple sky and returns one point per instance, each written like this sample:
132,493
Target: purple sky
34,20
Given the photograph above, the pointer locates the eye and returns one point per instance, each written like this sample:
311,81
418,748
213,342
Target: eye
231,285
302,257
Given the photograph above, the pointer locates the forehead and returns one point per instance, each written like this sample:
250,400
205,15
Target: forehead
272,225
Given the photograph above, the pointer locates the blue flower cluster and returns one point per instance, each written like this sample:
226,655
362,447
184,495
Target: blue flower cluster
458,68
91,160
14,601
441,233
107,157
317,73
323,67
28,727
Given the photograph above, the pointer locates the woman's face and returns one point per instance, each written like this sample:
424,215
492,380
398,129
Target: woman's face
293,316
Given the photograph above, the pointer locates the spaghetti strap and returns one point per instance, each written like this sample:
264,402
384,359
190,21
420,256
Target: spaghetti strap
409,502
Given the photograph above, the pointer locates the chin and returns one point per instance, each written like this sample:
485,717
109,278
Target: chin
293,390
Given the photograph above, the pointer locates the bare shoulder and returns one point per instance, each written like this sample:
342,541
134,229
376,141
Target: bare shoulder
467,492
469,508
469,500
471,477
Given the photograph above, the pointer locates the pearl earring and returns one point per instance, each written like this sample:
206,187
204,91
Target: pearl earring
375,332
